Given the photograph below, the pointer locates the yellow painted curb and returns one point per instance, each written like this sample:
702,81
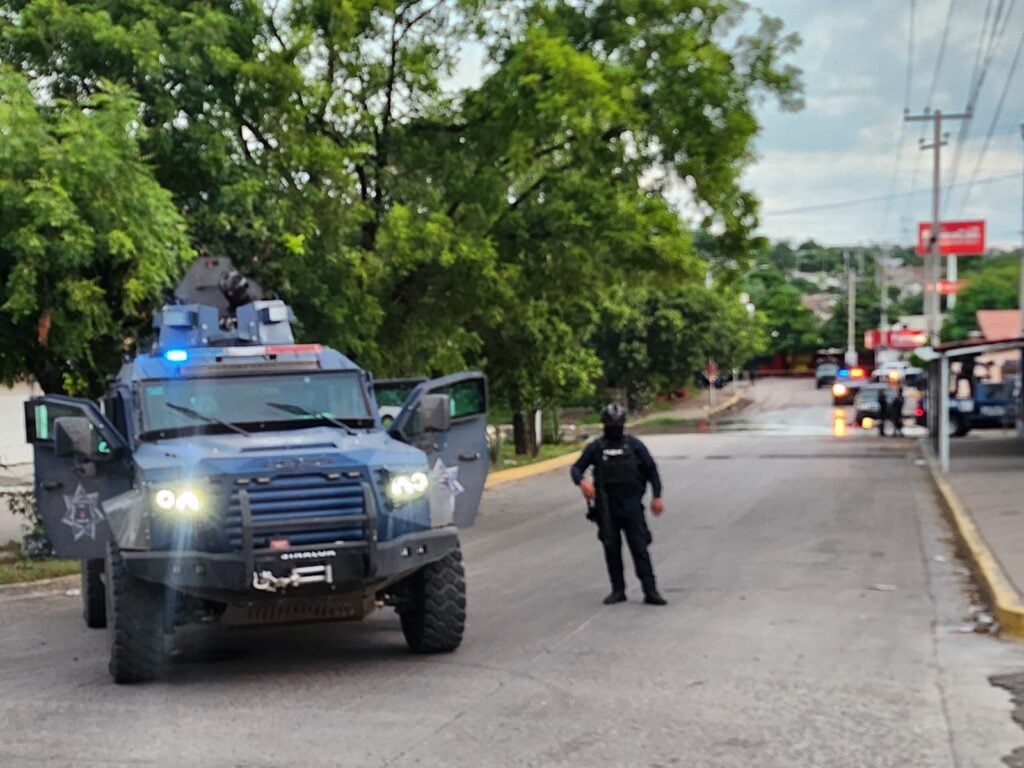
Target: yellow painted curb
520,473
1006,603
726,405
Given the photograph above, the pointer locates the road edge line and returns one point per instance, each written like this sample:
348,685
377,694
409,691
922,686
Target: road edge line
503,476
1003,596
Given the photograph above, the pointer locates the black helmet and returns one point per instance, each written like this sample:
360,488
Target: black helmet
236,289
613,415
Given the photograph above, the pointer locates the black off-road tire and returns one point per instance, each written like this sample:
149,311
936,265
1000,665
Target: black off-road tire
94,594
135,624
433,611
961,426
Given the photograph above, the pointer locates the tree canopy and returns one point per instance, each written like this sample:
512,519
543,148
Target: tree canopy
417,225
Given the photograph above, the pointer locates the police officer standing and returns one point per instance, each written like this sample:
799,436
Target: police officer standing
622,468
896,411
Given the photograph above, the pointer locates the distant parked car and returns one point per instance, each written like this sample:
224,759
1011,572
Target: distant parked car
906,374
867,404
825,374
718,382
961,411
994,404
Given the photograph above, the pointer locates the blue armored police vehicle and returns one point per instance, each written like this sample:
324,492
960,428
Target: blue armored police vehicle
231,475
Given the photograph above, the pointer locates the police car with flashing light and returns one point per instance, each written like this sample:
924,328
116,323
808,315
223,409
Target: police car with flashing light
848,382
231,475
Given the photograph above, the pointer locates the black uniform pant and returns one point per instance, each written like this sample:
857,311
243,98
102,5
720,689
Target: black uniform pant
633,525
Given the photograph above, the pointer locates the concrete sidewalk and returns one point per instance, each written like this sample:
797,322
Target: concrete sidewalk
984,491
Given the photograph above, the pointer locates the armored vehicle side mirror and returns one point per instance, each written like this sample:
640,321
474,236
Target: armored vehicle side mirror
72,436
435,413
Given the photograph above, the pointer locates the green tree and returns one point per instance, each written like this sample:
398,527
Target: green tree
990,285
90,237
791,328
663,339
421,230
867,315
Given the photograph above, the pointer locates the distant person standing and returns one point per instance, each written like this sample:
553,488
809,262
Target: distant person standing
896,412
622,468
883,410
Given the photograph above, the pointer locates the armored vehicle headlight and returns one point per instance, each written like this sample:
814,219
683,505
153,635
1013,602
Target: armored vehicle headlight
182,501
407,486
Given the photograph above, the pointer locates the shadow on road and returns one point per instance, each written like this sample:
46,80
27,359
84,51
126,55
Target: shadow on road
203,655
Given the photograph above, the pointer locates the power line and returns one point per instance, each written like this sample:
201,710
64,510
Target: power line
906,107
995,117
972,92
881,198
978,54
984,55
942,52
1003,11
908,87
907,90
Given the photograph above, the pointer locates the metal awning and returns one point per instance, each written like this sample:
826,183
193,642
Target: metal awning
938,417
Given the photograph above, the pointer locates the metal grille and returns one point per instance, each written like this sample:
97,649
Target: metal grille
286,506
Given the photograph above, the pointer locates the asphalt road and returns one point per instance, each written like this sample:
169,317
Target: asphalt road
814,597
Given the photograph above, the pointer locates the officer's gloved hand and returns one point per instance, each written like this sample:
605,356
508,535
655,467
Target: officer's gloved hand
587,488
657,506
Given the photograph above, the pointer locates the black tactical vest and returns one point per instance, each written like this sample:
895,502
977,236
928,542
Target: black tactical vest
618,471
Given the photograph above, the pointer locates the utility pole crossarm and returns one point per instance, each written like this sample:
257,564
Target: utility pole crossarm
926,115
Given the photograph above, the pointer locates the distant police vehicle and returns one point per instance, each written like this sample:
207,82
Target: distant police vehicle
848,382
232,475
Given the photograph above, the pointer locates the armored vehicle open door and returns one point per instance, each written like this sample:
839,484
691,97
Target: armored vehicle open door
391,395
447,419
79,462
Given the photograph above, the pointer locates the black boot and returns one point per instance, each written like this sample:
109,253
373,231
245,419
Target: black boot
653,598
616,596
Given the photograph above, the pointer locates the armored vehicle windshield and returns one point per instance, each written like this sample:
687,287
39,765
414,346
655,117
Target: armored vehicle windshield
171,407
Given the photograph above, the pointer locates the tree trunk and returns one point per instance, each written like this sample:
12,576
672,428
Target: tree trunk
521,433
49,378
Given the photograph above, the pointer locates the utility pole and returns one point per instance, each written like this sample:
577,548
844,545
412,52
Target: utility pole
851,305
1021,284
883,290
932,265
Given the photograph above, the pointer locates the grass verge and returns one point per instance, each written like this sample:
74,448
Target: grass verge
15,569
509,460
666,421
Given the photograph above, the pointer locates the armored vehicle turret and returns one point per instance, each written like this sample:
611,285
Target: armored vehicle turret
230,474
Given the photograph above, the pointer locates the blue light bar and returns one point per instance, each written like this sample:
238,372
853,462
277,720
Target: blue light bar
176,355
844,373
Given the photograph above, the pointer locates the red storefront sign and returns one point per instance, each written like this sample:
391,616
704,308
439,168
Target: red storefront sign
956,238
907,339
903,338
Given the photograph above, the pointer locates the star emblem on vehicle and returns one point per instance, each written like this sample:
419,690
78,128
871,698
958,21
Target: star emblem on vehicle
83,513
444,487
447,477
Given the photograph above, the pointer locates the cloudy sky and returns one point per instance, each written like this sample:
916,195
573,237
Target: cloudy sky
845,144
817,166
